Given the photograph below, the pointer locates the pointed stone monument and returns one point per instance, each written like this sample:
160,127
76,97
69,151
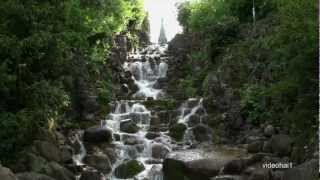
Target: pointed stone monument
162,37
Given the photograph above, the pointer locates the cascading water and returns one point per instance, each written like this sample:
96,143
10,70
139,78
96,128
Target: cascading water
190,111
130,120
147,67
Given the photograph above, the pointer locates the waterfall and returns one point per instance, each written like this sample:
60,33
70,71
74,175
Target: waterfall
148,67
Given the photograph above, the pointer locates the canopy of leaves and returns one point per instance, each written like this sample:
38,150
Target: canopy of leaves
40,45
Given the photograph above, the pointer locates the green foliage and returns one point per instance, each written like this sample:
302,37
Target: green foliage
187,88
253,104
243,9
42,43
17,131
273,63
184,14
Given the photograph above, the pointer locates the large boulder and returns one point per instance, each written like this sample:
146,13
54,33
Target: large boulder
33,176
97,135
234,167
59,172
90,175
100,162
307,170
6,174
269,130
129,169
255,147
34,163
159,151
204,168
174,169
129,127
261,174
48,150
177,131
66,154
281,145
193,165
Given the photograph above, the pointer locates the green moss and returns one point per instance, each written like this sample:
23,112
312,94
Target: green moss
129,169
177,131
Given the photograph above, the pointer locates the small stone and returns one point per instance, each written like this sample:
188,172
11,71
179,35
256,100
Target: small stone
269,131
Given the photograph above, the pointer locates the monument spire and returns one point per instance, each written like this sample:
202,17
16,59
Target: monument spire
162,37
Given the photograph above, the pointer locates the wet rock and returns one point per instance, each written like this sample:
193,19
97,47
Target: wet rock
201,133
269,131
59,172
253,138
100,162
255,147
66,154
33,176
192,103
90,175
6,174
133,151
203,168
267,147
307,170
112,154
192,165
159,128
152,135
297,154
193,120
124,89
160,83
159,151
261,174
153,161
281,145
139,117
35,163
174,169
129,169
48,150
155,120
97,135
131,140
234,167
177,131
164,117
116,137
228,177
129,127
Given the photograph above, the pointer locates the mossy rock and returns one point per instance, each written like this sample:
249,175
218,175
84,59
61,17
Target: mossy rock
174,170
129,169
177,131
161,104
